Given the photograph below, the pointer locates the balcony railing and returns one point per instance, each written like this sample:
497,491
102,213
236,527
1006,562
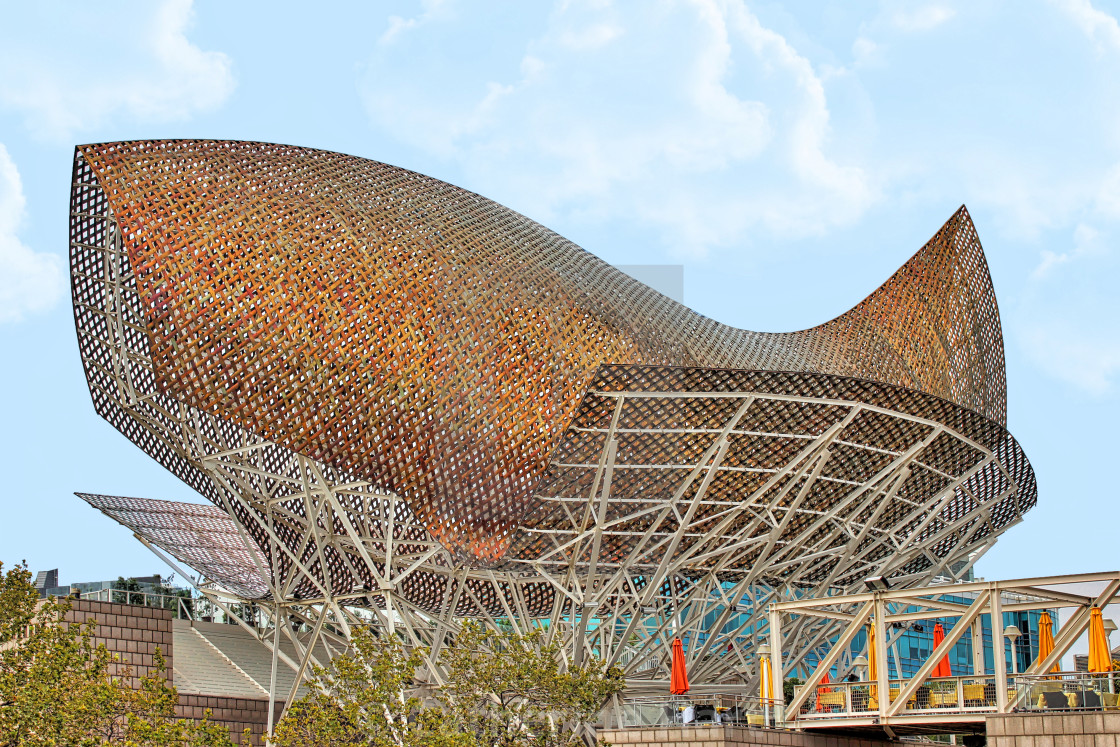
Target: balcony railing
1068,691
691,710
183,608
1065,691
936,695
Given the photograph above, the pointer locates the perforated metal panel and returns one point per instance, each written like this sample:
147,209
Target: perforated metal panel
823,479
414,335
203,537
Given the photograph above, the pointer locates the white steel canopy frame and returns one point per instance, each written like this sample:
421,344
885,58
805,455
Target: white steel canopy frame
680,502
835,705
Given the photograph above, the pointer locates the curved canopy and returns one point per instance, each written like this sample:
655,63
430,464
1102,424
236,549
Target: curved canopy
416,335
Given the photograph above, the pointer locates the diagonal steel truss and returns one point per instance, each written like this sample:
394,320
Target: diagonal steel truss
969,604
680,503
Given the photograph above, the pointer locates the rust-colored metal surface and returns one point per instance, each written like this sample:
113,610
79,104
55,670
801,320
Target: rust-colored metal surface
437,344
785,478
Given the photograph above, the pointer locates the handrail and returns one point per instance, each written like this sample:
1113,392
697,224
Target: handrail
184,607
689,710
964,696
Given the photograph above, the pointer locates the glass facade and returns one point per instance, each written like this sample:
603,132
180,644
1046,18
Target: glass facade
913,647
911,643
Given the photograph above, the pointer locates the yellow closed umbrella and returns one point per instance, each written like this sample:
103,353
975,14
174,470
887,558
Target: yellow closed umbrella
872,656
1045,639
767,687
872,665
1100,658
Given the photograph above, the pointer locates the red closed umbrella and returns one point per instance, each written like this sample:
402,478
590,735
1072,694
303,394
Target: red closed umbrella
821,690
678,680
942,669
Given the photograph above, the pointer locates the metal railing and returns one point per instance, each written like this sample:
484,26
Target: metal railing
184,608
968,694
690,710
1067,691
963,694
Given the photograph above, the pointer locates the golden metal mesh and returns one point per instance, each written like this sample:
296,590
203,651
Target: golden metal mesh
438,344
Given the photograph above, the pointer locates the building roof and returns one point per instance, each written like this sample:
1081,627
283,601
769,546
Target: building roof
219,659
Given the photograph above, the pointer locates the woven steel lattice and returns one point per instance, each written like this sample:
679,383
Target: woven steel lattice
804,462
411,405
203,537
402,331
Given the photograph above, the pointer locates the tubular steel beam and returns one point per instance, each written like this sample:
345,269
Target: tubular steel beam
728,470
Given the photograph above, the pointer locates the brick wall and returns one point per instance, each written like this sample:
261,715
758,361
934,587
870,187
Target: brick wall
729,736
236,714
129,631
133,633
1054,730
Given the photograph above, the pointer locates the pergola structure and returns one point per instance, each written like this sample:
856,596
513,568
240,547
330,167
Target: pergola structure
957,703
409,405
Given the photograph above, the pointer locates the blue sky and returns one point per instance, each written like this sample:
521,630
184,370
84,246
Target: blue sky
791,157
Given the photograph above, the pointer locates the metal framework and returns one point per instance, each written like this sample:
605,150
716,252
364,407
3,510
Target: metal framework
957,702
411,405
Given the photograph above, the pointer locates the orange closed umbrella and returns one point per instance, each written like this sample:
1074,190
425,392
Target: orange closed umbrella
1100,658
1045,639
821,690
678,680
942,669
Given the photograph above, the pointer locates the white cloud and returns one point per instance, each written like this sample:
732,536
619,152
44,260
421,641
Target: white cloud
1088,360
30,281
1065,322
70,83
1107,200
924,18
669,116
1085,243
865,52
432,9
590,37
1099,26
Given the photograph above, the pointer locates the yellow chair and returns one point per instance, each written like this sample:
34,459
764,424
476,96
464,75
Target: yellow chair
874,702
943,700
975,692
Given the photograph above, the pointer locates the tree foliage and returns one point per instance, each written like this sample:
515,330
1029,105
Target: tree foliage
789,687
58,688
363,699
503,690
512,690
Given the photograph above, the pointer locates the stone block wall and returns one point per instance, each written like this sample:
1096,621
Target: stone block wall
133,632
725,735
129,631
237,714
1101,729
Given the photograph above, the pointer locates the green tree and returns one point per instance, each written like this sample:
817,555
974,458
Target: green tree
363,699
789,685
176,599
57,688
511,690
